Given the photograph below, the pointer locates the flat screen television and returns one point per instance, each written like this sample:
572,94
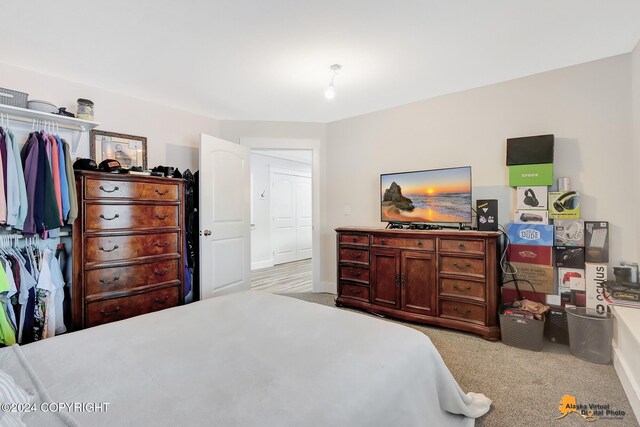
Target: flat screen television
429,196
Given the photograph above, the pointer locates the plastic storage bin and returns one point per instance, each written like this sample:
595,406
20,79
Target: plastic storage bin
522,332
590,334
13,98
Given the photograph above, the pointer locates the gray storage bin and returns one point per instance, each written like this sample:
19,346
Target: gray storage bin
522,332
13,98
590,334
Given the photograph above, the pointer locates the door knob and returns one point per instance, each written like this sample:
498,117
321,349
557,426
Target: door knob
207,232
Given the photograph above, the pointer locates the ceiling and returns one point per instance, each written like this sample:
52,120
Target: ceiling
269,60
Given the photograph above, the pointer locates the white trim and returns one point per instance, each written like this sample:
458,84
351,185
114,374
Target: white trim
280,156
292,172
630,387
301,144
262,264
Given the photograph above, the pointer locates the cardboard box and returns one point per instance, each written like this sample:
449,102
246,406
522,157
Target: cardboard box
530,254
540,276
538,174
531,217
534,197
596,241
566,275
530,234
569,257
568,232
595,274
564,205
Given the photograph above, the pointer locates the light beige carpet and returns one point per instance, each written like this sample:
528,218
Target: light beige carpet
525,386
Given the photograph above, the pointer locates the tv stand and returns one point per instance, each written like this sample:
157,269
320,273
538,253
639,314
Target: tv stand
446,278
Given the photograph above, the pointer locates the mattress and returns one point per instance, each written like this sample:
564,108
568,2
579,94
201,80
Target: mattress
245,359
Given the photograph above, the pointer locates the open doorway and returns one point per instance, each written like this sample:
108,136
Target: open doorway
281,220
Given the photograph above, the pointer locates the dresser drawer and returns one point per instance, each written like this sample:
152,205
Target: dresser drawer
462,288
356,274
355,256
354,291
461,246
115,279
354,239
114,189
462,311
111,217
110,310
117,248
462,266
427,244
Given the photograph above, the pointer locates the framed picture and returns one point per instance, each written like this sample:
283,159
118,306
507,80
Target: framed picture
129,150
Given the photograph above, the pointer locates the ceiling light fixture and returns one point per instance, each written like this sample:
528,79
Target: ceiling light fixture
330,92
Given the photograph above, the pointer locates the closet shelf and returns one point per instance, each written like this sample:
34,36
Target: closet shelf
27,116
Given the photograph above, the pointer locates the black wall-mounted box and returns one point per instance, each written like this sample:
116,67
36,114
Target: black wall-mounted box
530,150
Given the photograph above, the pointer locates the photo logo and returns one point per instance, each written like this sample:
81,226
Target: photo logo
590,412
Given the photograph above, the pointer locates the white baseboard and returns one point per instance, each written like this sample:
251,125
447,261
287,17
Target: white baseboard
629,385
327,287
262,264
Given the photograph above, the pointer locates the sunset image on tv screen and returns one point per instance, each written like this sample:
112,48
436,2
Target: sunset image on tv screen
442,195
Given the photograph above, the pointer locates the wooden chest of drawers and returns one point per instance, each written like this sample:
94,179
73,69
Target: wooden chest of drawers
127,247
445,278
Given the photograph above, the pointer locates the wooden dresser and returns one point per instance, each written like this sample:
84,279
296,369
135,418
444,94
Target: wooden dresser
444,278
127,247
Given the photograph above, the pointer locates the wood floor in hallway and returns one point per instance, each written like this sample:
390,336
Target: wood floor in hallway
292,277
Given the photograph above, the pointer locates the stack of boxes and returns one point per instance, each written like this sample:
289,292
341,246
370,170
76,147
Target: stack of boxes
562,256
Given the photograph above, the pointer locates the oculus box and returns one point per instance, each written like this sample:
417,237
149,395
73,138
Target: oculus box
530,254
596,241
533,197
569,257
569,232
530,150
530,217
595,274
531,175
530,234
563,205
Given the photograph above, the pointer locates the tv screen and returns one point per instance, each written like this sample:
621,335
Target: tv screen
439,195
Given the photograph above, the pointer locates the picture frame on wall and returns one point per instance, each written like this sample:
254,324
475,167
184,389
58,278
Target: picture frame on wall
129,150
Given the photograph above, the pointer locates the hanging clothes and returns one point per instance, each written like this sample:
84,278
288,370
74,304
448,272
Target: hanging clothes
7,331
64,182
12,183
22,188
73,198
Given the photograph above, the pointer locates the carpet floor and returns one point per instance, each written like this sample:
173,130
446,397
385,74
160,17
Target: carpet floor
525,386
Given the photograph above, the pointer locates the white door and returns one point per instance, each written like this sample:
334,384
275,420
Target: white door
225,231
291,211
283,211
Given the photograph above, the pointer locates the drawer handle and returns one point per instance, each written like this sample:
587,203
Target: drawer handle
356,273
160,245
402,280
356,291
462,267
116,188
162,193
356,254
420,243
468,288
464,313
397,279
162,300
382,241
461,245
108,250
110,313
161,273
107,282
162,218
109,219
355,239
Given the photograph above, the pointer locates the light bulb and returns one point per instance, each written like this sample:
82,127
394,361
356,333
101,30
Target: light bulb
330,92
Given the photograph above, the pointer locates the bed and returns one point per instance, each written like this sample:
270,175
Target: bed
246,359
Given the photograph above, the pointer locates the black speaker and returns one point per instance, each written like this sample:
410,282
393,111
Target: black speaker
556,328
487,212
530,150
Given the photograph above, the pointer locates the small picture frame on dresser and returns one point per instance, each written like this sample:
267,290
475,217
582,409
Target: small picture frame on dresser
129,150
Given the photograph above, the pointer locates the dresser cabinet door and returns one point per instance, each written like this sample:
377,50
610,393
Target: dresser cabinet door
385,278
418,282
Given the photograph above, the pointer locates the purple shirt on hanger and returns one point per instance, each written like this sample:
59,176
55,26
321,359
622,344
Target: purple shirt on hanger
30,159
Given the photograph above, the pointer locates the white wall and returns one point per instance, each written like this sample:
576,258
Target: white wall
635,82
587,107
261,166
173,136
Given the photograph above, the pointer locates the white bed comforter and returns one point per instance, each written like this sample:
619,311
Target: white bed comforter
247,359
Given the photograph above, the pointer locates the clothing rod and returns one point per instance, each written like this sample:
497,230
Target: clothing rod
20,236
11,117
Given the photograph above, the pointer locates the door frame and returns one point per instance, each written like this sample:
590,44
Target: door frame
272,230
301,144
